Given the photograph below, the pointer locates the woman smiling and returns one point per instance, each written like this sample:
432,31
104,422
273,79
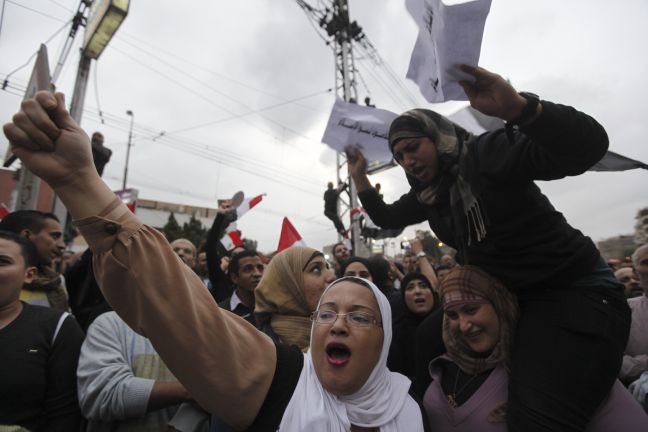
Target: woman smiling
469,383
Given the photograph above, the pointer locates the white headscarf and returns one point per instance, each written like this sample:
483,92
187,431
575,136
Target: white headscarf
382,402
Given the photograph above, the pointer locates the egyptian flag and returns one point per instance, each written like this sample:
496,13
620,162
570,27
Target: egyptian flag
232,240
247,204
289,236
4,211
129,197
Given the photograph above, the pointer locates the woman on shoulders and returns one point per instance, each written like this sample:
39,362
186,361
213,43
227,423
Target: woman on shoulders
479,196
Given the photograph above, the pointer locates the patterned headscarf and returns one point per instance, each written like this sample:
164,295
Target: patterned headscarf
452,183
280,299
468,284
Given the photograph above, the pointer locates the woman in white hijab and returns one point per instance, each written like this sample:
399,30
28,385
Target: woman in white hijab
345,384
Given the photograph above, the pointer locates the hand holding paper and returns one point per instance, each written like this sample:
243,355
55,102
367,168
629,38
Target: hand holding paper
491,94
357,165
449,35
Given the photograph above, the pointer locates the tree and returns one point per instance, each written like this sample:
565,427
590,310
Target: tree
194,231
641,227
172,230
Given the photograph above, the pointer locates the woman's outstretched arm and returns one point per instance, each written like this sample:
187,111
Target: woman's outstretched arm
224,362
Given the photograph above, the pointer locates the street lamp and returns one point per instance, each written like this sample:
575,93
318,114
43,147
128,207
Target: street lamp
104,19
130,137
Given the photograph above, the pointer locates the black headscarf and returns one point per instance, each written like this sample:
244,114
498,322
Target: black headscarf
435,296
402,353
452,185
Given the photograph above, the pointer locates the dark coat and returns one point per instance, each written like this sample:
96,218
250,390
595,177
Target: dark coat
528,243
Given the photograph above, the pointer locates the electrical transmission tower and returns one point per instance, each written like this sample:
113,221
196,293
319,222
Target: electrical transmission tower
340,32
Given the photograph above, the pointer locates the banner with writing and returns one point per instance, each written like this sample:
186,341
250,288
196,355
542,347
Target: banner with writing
362,127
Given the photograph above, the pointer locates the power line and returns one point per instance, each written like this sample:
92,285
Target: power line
365,44
196,93
61,6
36,11
267,108
225,95
381,81
96,91
230,159
6,80
120,35
207,155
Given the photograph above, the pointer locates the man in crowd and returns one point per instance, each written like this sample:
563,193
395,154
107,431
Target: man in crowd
122,382
340,254
448,261
100,154
201,268
245,271
185,250
629,278
331,205
635,360
442,271
44,231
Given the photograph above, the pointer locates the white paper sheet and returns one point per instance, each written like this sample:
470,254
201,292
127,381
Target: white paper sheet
362,127
448,36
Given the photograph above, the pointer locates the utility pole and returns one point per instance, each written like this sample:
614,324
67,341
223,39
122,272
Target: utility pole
26,194
101,18
130,137
342,30
335,22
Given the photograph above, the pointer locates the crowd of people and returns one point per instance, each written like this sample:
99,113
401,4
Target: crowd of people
525,327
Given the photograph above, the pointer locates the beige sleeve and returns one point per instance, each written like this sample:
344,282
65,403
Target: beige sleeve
225,363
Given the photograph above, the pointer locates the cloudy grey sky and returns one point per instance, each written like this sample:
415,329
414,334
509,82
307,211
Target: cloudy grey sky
196,70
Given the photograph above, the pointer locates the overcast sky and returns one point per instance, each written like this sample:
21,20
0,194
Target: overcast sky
196,70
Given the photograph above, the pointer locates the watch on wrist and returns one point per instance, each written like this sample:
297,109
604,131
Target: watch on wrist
421,254
530,109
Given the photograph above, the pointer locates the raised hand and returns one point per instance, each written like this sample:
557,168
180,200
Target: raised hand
49,142
416,246
357,165
491,94
356,162
53,146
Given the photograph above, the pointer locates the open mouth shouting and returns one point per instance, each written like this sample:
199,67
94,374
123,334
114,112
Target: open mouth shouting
337,354
417,171
420,301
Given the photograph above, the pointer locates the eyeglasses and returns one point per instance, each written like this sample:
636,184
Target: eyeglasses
355,318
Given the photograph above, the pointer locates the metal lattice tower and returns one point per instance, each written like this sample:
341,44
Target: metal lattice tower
334,20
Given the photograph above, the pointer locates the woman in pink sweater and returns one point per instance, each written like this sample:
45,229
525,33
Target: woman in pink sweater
469,386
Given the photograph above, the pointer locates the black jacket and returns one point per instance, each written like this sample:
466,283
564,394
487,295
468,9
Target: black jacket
528,242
